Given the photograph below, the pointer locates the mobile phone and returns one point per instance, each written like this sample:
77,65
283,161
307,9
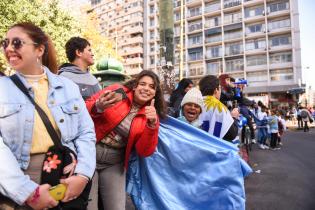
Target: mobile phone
58,191
121,92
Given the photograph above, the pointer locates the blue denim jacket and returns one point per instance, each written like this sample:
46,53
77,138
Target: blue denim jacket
16,128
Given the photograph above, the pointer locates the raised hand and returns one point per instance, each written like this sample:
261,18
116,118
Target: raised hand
150,113
107,99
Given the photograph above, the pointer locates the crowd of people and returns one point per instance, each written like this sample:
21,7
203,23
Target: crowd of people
101,126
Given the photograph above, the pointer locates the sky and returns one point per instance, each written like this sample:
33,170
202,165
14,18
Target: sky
307,33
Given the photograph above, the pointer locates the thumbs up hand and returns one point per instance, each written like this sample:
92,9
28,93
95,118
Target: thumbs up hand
150,113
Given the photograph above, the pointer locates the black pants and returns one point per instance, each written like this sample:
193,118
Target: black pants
306,128
300,122
273,140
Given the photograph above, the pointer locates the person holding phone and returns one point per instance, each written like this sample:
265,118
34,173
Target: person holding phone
126,118
24,139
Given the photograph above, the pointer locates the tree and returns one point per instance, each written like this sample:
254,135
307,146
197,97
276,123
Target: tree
102,47
56,23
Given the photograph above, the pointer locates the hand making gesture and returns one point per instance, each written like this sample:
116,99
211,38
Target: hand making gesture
150,113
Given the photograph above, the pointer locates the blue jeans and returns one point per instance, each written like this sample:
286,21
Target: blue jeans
262,135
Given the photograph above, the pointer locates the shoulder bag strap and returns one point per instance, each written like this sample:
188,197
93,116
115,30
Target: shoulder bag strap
49,127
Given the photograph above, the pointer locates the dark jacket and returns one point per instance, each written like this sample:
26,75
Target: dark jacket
87,83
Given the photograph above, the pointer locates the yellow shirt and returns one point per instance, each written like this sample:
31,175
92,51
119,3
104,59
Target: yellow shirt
41,140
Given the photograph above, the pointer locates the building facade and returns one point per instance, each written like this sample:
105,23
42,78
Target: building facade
122,22
258,40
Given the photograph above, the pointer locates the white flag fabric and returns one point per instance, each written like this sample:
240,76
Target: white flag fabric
216,119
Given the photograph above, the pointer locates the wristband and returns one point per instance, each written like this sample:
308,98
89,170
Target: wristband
35,196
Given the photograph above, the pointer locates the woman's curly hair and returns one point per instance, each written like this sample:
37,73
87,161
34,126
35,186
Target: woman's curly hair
159,104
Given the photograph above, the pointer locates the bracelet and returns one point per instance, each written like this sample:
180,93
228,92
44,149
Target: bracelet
83,176
35,196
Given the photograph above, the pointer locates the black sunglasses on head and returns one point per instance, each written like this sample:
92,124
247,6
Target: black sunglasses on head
16,43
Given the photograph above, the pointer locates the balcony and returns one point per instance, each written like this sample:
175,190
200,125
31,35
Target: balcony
137,60
194,27
210,8
231,3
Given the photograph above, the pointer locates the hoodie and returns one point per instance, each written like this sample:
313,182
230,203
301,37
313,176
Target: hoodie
87,83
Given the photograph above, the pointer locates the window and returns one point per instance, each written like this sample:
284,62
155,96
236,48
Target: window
195,69
213,52
283,57
195,54
256,77
151,22
214,68
256,60
280,40
194,11
278,6
234,48
213,38
231,3
95,2
177,16
255,28
255,44
254,11
232,18
213,6
234,65
151,34
276,24
232,35
195,25
195,39
152,48
213,22
152,60
151,9
281,75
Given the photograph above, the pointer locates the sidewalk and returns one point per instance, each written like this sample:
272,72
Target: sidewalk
292,125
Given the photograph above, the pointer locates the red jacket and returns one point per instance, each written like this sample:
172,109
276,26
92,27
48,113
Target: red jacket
141,136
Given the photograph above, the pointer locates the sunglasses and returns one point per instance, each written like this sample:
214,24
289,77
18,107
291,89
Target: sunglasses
16,43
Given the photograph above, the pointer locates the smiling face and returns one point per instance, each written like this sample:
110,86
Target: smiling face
24,58
144,91
87,55
191,111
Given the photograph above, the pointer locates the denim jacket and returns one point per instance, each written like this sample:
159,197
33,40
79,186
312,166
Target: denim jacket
16,128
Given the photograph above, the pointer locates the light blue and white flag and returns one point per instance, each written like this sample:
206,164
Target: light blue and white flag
216,119
190,170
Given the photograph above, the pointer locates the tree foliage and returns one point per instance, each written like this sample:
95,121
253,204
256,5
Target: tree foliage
57,23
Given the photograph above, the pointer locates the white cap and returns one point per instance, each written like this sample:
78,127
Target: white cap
193,96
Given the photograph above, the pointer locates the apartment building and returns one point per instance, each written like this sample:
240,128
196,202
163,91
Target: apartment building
122,22
258,40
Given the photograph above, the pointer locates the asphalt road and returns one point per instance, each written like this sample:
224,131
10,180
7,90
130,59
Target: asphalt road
287,177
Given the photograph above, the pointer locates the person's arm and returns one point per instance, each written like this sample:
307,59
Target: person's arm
13,182
232,132
148,140
85,143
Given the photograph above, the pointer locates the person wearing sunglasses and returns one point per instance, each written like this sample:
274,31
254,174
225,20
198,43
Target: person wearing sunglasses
24,139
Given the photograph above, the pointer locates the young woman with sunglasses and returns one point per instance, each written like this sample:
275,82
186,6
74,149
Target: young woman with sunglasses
24,139
125,121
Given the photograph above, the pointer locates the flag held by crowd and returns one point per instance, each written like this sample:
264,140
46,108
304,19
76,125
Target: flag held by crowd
190,169
212,119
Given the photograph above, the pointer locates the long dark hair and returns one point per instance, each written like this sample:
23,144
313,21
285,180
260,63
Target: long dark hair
180,90
38,36
159,99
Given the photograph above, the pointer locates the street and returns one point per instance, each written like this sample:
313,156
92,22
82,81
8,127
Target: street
286,178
